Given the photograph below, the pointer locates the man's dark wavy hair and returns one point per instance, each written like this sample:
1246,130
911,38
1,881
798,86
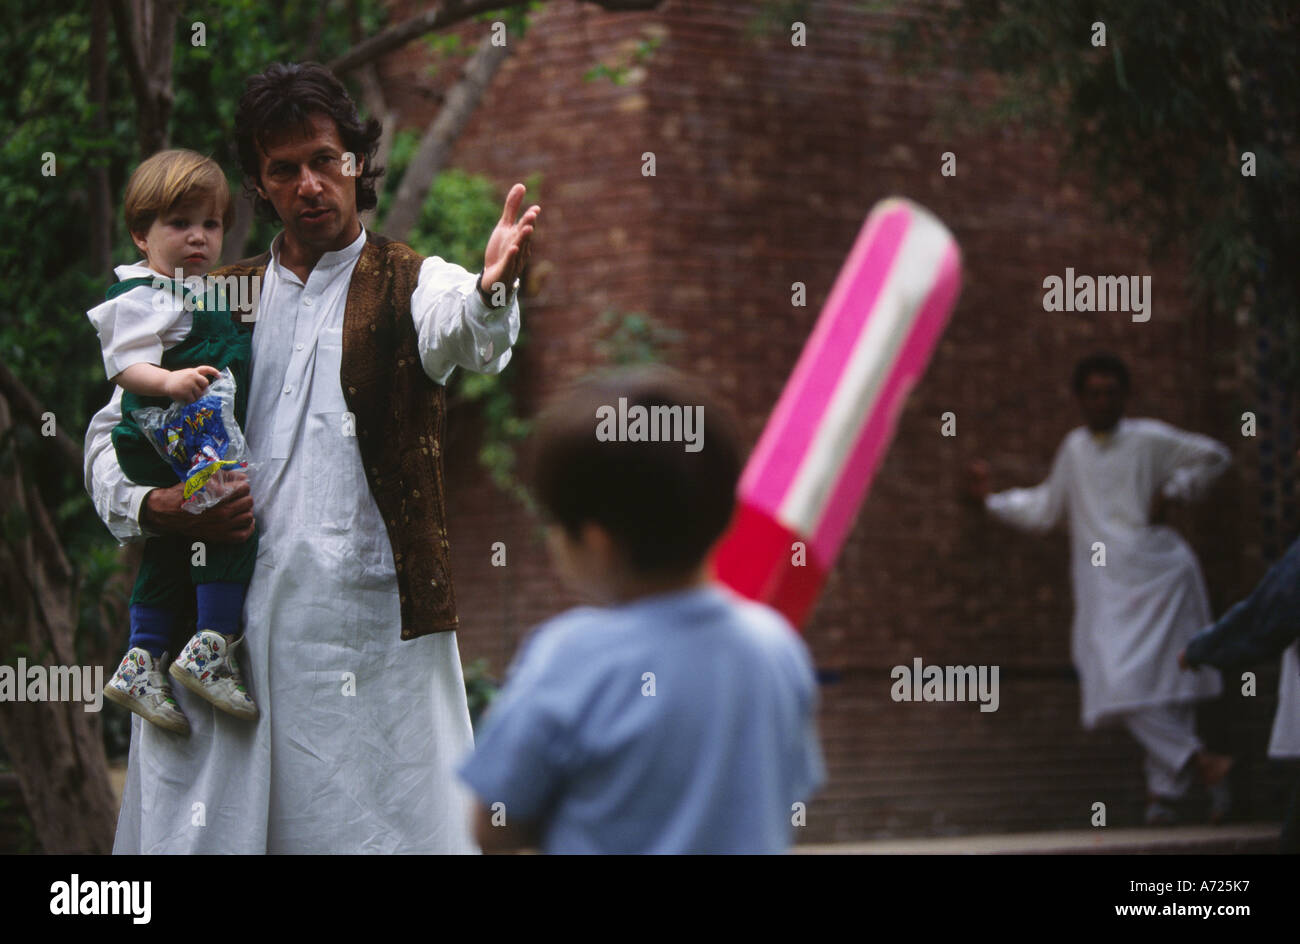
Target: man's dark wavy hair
283,98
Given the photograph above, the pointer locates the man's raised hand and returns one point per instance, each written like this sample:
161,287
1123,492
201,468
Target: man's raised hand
509,246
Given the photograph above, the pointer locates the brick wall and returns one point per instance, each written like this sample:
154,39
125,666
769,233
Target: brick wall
768,157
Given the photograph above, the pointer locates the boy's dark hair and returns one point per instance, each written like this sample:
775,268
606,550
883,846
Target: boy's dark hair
663,506
283,98
1101,363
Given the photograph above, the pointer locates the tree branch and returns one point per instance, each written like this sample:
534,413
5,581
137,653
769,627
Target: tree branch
435,146
130,51
315,32
158,57
439,17
443,15
147,40
232,249
372,96
101,199
57,751
28,410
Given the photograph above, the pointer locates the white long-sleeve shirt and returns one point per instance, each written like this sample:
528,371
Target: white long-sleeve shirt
1138,592
359,729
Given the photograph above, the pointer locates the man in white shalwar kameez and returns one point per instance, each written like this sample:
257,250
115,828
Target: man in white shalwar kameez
359,728
1138,591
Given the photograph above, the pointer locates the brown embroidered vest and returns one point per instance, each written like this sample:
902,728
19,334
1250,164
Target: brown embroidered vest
399,413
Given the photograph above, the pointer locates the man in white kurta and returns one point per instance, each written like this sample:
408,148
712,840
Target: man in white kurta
358,729
1138,591
358,726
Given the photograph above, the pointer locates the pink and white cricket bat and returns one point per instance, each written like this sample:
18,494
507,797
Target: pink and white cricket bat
815,460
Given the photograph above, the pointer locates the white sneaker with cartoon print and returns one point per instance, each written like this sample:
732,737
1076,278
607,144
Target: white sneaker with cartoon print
139,685
207,667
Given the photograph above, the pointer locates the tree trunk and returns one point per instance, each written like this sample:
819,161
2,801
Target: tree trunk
101,200
232,249
55,746
147,34
395,37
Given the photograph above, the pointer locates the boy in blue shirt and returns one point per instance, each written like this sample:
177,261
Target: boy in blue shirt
673,716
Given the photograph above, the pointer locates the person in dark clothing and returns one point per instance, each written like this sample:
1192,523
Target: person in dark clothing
1253,630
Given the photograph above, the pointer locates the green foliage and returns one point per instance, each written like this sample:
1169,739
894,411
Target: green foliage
515,18
26,842
633,338
49,281
620,73
100,565
480,689
447,47
777,17
1159,117
44,336
459,214
444,45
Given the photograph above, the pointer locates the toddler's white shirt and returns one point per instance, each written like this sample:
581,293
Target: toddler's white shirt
137,326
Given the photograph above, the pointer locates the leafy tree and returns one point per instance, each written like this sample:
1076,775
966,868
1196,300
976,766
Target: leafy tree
1169,117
